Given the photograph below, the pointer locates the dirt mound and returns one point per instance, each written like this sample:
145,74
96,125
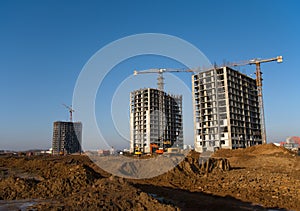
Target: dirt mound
16,188
62,180
111,193
267,149
71,184
264,149
265,175
192,168
71,179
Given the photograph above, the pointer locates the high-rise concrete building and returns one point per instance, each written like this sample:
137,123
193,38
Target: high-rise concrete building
67,137
155,118
226,110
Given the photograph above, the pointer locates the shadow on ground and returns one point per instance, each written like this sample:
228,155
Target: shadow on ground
187,200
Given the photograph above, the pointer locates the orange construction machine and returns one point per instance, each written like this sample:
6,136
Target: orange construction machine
155,149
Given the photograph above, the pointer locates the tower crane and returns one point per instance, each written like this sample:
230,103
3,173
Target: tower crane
70,110
160,86
259,79
160,71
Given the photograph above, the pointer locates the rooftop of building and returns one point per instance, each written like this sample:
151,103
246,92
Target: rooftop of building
222,67
67,122
156,89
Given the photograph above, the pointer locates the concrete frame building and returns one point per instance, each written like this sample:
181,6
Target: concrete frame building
67,137
155,117
226,110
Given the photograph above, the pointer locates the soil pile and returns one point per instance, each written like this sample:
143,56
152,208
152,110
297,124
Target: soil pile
61,180
266,149
195,166
229,180
72,183
266,174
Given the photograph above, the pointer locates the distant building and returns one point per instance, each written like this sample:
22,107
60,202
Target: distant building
292,143
293,139
226,110
155,118
67,137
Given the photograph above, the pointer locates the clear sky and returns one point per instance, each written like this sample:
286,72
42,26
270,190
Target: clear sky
45,44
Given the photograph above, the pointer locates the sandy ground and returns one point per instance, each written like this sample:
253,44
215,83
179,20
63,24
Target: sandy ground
260,178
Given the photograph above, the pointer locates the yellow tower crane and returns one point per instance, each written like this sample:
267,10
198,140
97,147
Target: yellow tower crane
258,73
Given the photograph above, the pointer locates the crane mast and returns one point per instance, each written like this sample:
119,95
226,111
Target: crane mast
160,81
70,111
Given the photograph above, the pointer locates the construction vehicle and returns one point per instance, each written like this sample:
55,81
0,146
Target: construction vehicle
167,144
137,151
160,151
154,148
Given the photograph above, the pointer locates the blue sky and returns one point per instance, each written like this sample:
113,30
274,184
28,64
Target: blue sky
45,44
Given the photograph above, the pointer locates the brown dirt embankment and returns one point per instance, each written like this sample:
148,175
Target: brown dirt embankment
258,177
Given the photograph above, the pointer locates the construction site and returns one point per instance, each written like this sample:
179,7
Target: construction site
227,104
261,177
226,110
242,171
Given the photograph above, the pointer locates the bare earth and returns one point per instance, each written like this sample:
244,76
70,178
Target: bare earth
263,177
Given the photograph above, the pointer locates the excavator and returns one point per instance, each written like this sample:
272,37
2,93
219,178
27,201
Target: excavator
154,148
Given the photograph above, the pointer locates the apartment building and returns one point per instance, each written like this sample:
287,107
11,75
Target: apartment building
226,110
67,137
155,118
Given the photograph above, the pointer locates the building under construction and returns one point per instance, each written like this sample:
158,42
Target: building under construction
67,137
226,110
155,118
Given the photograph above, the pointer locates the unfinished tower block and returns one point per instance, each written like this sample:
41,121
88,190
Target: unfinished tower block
67,137
155,118
226,110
